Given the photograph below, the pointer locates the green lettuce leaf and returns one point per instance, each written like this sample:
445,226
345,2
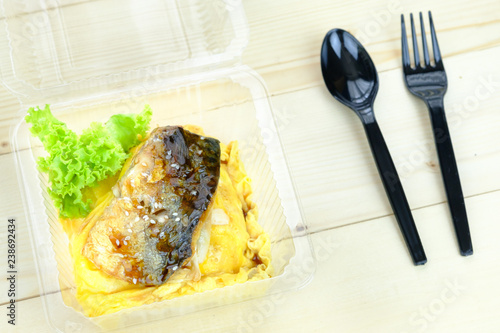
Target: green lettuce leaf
125,127
78,162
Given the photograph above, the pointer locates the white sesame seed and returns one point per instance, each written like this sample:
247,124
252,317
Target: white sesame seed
117,242
203,138
177,219
144,174
126,213
161,220
194,192
175,268
136,220
129,230
127,238
175,214
145,217
109,229
162,235
152,222
124,242
134,280
139,207
169,152
144,164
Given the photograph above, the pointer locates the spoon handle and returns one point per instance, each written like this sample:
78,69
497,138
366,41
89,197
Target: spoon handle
395,192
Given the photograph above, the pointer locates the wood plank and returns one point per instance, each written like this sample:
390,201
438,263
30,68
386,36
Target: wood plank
29,314
12,207
331,162
281,33
300,57
365,284
305,73
346,175
369,284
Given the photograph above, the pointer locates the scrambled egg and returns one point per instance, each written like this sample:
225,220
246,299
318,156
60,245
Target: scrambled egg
239,249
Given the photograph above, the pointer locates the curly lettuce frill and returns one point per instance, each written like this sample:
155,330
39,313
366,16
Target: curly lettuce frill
78,162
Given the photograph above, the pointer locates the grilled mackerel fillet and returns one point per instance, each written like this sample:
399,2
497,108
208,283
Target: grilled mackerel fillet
151,226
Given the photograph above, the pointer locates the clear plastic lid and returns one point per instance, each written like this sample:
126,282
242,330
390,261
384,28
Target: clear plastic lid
48,43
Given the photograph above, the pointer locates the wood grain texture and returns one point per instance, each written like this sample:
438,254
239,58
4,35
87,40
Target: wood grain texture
336,169
364,280
286,33
367,283
285,39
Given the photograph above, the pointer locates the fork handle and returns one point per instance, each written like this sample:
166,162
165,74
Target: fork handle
394,190
449,171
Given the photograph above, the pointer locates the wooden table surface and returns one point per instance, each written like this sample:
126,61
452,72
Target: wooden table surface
364,279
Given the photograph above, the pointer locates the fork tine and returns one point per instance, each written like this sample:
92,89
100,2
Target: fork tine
415,44
435,46
404,45
424,43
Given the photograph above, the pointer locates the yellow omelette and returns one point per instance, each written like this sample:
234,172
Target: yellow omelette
238,249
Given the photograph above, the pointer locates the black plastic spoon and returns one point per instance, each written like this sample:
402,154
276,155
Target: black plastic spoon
352,79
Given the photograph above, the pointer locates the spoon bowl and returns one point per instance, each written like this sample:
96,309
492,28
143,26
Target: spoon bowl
348,70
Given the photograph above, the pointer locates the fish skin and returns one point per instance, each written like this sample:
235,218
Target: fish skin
150,228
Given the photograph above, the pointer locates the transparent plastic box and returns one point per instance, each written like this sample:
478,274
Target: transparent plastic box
93,59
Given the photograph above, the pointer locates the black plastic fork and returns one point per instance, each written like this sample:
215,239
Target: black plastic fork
429,83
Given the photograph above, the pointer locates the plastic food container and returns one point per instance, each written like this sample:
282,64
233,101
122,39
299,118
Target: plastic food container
181,57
